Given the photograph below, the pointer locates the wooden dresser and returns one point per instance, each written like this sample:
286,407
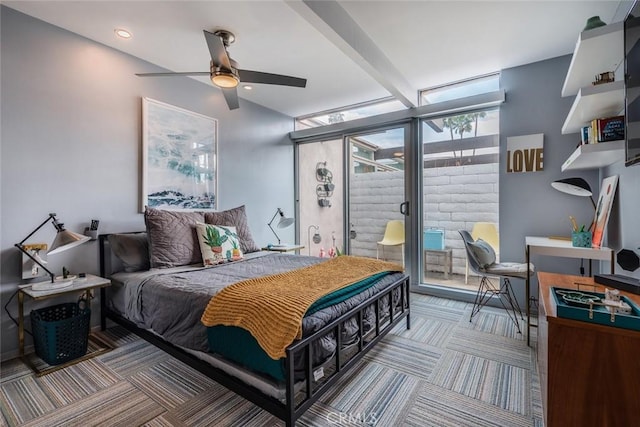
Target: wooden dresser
589,373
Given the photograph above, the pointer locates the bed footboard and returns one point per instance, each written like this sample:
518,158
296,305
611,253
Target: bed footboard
319,379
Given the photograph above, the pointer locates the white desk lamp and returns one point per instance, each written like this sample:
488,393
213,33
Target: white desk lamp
64,240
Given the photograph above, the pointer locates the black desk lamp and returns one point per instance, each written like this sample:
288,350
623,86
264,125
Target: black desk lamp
576,187
283,222
64,240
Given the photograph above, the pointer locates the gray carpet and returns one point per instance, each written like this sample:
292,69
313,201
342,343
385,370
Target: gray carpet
444,371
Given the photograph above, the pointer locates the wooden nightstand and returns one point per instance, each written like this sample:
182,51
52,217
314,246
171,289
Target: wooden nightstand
80,285
283,248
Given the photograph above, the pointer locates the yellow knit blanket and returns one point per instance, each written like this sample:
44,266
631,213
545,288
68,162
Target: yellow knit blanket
271,308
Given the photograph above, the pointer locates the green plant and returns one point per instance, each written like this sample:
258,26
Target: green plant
228,232
213,238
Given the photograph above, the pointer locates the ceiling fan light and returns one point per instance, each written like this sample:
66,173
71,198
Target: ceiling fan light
224,79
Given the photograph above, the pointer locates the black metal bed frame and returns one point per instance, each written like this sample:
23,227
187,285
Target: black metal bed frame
290,410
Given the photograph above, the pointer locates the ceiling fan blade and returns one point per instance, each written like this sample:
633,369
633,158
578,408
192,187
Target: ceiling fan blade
187,73
231,96
217,50
247,76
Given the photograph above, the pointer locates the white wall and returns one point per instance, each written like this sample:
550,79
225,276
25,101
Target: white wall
71,144
328,219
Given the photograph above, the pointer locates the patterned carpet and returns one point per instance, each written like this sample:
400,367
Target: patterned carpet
444,371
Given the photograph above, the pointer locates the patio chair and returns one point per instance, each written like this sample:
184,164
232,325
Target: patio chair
482,261
488,232
393,236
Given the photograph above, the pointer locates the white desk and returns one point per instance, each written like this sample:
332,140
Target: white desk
560,248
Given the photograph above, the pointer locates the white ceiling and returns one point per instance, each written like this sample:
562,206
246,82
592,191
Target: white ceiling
428,42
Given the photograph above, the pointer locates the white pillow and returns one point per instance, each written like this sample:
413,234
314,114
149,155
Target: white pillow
218,244
483,252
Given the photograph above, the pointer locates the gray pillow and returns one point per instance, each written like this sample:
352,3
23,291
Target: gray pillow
132,249
236,217
483,252
172,237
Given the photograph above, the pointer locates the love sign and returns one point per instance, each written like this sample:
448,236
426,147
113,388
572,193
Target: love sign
525,153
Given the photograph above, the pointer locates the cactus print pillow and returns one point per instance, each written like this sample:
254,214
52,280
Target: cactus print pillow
218,244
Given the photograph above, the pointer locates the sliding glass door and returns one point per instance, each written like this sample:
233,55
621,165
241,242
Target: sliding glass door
376,191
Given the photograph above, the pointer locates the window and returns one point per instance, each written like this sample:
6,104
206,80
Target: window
462,139
345,114
382,151
461,89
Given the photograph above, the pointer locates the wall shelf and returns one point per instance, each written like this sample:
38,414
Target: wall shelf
594,102
593,156
597,51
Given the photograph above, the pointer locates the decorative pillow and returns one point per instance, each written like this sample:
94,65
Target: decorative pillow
483,252
172,237
218,244
236,217
132,249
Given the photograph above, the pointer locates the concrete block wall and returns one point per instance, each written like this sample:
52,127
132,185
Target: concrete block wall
454,198
374,200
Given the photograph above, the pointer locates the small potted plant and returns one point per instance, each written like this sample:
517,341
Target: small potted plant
214,240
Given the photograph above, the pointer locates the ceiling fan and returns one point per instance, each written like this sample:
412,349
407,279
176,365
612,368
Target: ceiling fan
225,73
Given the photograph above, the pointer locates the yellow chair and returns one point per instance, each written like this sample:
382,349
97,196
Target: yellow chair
488,232
393,236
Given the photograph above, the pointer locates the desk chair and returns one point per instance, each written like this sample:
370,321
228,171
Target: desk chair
393,236
482,262
488,232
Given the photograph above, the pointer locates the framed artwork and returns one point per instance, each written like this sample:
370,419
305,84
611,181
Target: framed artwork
603,209
179,158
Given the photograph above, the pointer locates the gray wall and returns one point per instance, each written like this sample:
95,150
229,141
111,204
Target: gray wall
529,206
71,138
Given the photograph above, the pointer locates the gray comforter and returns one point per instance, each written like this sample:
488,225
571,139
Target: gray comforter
171,301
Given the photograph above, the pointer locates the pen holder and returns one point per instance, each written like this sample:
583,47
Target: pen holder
91,233
581,239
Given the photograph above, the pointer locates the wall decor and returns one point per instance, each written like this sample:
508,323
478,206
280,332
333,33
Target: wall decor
325,190
603,209
525,153
179,158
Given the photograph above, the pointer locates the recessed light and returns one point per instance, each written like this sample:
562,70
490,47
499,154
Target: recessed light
122,33
248,87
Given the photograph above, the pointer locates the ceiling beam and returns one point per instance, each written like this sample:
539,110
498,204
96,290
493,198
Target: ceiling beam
335,24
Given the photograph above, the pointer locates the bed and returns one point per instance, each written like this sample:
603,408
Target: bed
165,306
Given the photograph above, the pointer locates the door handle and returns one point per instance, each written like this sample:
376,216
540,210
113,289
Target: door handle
404,208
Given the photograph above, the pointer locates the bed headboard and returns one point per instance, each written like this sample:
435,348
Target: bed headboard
109,262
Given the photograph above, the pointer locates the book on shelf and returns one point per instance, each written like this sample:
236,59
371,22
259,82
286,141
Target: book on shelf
585,134
611,129
603,130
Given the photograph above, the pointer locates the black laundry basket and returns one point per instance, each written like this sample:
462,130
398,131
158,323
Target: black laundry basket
61,332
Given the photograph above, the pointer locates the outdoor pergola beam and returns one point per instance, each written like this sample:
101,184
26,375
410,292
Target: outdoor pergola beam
334,23
469,143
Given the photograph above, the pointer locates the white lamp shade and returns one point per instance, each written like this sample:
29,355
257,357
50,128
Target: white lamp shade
285,222
66,239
